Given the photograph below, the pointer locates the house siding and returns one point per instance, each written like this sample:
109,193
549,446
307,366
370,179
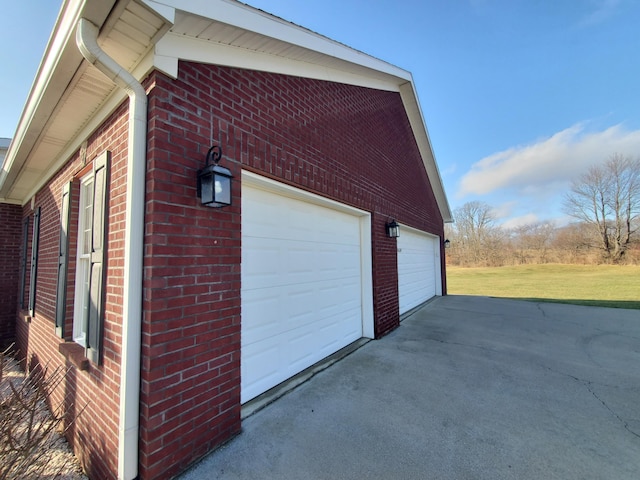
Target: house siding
10,235
347,143
94,435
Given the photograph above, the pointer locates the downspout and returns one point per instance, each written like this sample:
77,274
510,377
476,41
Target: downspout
128,429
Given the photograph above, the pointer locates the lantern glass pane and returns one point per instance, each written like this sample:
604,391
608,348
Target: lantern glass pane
222,189
207,189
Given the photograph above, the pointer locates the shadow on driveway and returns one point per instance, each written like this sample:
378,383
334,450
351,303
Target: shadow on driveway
466,388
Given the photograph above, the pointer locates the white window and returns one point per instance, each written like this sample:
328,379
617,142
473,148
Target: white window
83,260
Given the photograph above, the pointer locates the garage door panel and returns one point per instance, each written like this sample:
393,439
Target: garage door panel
263,326
262,363
293,220
264,258
282,263
301,286
275,311
334,329
297,353
275,315
338,301
297,311
416,268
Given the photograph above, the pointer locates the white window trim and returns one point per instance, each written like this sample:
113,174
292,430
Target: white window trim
83,261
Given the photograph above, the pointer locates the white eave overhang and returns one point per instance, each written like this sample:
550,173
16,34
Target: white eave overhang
69,99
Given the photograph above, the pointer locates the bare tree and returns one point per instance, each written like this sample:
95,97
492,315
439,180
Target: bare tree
533,241
608,198
477,238
572,243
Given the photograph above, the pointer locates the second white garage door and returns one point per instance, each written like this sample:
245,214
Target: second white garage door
418,267
302,285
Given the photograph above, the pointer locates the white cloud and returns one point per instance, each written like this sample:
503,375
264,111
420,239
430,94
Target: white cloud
504,215
504,209
547,166
515,222
603,10
449,170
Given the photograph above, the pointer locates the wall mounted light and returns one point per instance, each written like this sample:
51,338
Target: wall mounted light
214,181
447,243
393,229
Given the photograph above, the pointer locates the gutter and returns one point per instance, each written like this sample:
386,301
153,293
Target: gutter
128,429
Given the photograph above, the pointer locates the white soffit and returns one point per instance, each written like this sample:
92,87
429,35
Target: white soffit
199,39
240,25
175,46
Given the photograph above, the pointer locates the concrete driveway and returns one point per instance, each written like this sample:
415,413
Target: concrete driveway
466,388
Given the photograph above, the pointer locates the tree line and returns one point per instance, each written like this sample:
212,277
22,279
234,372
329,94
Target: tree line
604,203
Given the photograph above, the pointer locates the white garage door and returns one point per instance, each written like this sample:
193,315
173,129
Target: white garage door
418,267
302,286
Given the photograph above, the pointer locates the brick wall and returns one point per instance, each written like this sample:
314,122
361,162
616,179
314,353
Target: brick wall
190,399
10,219
350,144
94,436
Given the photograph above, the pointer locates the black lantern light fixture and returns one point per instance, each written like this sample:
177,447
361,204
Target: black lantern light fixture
214,181
393,229
447,243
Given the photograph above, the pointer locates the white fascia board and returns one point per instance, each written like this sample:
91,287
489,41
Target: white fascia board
252,19
165,11
167,65
419,127
180,47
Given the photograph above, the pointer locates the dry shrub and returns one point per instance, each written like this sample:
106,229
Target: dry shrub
31,428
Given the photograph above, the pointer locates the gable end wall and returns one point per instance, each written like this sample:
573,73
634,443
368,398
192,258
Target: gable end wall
351,144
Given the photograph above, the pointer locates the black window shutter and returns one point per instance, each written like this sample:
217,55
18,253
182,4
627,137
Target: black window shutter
63,260
23,261
97,270
34,262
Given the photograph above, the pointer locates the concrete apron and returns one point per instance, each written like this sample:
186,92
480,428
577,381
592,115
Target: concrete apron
271,395
467,387
256,404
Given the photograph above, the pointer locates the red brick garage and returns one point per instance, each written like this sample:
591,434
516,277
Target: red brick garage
352,148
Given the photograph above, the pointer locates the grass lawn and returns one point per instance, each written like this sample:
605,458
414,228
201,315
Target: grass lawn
592,285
